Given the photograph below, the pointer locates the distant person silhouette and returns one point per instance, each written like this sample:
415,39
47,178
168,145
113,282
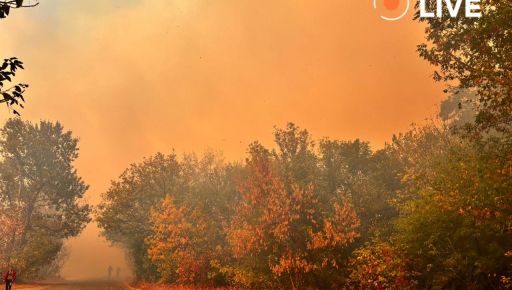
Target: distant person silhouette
110,269
118,272
9,277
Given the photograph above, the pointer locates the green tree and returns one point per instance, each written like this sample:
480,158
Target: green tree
475,53
295,155
455,208
124,213
40,193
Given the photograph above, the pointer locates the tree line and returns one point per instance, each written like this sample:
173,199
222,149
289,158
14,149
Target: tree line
430,210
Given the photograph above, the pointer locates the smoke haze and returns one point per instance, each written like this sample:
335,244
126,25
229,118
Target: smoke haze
131,78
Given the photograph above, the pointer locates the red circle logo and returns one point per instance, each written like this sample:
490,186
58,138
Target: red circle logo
391,4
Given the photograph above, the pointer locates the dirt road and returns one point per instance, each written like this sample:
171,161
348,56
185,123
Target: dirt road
76,285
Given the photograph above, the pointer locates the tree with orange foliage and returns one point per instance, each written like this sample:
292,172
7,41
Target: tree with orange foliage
187,233
381,265
177,245
281,235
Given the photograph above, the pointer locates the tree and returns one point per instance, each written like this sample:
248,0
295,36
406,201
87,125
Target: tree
124,213
282,235
40,193
12,96
295,157
188,240
177,244
475,53
381,265
455,208
369,178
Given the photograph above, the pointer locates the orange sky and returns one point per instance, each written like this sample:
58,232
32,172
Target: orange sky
133,77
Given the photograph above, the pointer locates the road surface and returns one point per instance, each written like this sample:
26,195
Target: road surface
76,285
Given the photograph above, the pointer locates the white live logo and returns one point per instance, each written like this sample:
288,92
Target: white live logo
472,8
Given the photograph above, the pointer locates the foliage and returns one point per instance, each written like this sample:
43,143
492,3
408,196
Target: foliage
7,5
287,233
381,265
455,210
124,213
430,210
476,53
40,194
370,178
286,218
13,95
187,237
